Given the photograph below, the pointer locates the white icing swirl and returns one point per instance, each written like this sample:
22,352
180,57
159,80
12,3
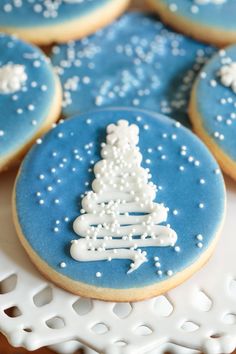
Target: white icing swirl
119,214
12,78
227,75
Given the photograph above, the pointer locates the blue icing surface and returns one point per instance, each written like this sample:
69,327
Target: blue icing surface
24,111
218,110
57,172
43,13
136,61
219,16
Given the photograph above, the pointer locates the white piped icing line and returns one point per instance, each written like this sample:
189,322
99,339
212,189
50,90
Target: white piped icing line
12,78
227,75
119,215
205,2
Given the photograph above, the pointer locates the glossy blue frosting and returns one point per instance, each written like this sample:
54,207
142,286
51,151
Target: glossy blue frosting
64,160
23,112
218,16
216,104
44,13
136,61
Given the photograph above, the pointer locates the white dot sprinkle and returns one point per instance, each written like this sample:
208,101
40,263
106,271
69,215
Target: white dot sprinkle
177,249
199,237
173,7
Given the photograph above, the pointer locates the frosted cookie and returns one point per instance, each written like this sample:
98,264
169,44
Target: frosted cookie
124,212
30,97
44,22
134,62
213,107
211,21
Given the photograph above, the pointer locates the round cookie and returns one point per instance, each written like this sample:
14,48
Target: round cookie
150,67
119,242
212,107
211,21
45,22
30,97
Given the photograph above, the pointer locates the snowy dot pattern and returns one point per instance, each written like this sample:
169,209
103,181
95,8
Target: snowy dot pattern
150,67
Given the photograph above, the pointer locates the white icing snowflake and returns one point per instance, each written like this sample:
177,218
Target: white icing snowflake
227,74
122,134
12,78
205,2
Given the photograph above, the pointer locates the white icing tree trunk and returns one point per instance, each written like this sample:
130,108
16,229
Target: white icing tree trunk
120,216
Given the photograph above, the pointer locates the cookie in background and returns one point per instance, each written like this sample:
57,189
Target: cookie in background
213,107
210,21
136,61
45,22
30,98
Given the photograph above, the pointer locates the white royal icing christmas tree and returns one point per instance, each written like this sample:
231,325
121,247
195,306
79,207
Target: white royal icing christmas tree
120,215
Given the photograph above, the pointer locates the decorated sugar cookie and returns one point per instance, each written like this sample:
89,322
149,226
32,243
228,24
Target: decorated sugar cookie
134,62
124,212
30,97
48,21
213,107
211,21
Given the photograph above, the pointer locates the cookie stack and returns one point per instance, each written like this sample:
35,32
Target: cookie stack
119,200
